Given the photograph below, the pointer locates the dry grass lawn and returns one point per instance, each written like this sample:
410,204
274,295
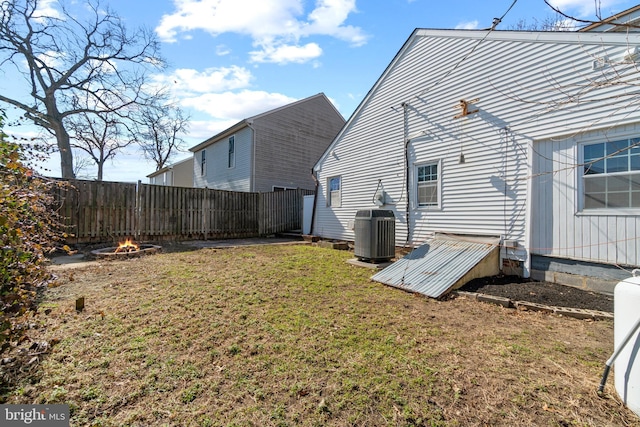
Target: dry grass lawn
293,335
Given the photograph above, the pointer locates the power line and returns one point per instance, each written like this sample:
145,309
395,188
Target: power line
496,21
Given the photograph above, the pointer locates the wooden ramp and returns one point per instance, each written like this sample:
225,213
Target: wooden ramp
443,264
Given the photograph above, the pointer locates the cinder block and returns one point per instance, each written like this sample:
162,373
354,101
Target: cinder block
470,295
333,245
602,315
541,276
585,283
570,280
603,286
505,302
574,312
525,305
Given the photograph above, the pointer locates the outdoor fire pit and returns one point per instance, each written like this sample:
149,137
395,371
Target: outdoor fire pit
126,249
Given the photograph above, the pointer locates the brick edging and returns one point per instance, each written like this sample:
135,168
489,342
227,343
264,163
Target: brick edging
577,313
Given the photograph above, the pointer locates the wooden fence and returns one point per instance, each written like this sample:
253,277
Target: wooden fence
98,211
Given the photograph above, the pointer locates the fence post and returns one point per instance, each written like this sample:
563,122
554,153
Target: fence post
136,212
261,215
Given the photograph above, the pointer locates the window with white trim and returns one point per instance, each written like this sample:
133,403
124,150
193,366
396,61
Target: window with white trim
232,152
334,189
427,182
611,174
203,162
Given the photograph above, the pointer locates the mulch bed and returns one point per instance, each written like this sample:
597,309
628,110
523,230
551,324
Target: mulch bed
518,289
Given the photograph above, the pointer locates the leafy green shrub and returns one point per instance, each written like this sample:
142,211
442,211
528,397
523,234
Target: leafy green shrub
28,231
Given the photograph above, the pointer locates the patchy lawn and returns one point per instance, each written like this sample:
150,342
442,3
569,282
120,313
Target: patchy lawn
293,335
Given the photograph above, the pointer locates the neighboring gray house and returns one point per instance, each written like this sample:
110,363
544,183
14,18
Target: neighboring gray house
529,138
178,174
271,151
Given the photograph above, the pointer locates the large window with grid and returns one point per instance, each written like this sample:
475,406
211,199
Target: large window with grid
611,174
427,184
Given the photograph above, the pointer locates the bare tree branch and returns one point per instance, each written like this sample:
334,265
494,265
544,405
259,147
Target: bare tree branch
158,129
101,136
76,65
589,22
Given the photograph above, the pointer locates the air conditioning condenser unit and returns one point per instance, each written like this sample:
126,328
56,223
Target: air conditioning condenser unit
375,235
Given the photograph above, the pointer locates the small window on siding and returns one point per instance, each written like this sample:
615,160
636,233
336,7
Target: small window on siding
232,152
611,175
203,163
427,184
334,189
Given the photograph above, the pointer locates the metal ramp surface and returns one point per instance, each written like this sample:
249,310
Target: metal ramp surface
441,265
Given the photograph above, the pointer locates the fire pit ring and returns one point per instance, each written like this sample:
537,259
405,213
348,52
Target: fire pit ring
113,253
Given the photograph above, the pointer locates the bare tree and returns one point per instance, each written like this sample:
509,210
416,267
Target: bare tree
158,128
81,167
101,136
73,66
549,23
599,19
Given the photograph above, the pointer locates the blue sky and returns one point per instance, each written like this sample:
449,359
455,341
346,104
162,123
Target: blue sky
231,59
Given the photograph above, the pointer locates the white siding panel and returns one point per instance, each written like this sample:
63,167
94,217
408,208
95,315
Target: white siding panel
218,173
560,228
522,82
589,239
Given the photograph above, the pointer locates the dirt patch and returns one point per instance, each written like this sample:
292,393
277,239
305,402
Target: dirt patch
518,289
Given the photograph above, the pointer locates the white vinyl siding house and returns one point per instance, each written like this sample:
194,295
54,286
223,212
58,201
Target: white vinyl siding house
272,150
504,127
573,218
218,173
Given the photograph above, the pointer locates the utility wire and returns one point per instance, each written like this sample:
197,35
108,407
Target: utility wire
495,23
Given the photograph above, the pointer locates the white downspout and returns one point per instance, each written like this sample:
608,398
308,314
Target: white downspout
526,267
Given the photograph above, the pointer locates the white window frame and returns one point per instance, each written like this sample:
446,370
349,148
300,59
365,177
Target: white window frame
437,184
334,197
203,163
608,166
231,148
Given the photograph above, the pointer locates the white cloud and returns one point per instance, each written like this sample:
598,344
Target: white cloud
186,81
51,58
327,18
286,53
258,19
235,106
272,24
46,10
470,25
222,50
582,8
